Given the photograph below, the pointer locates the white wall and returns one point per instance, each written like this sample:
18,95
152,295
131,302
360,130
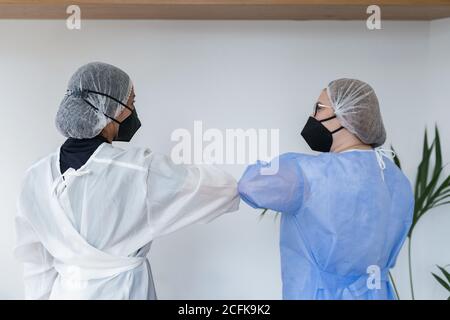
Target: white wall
230,75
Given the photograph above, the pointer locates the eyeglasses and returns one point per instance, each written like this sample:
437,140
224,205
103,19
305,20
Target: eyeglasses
318,106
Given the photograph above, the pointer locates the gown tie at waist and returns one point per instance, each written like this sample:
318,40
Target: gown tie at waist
357,285
98,269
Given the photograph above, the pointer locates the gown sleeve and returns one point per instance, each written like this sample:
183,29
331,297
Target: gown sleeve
281,190
181,195
39,273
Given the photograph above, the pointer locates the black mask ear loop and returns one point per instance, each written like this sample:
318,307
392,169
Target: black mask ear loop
84,93
332,117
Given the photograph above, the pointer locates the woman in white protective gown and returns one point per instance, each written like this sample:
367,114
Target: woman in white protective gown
88,213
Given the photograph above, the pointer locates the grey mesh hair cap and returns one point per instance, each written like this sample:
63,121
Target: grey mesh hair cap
356,107
75,117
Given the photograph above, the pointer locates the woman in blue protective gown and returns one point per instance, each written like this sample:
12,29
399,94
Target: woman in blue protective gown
345,212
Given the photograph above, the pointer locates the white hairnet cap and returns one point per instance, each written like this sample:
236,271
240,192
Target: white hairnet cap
356,107
75,117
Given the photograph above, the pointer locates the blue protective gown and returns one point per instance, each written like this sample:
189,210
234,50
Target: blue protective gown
341,214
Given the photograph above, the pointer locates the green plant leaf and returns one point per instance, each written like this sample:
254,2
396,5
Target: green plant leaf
436,199
427,197
438,156
441,204
440,198
421,181
425,200
445,186
419,169
396,158
421,207
424,165
445,273
438,152
265,213
441,281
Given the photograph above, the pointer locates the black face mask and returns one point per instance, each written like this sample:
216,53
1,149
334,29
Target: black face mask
318,137
127,128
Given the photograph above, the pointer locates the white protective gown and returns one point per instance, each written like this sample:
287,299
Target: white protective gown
85,234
